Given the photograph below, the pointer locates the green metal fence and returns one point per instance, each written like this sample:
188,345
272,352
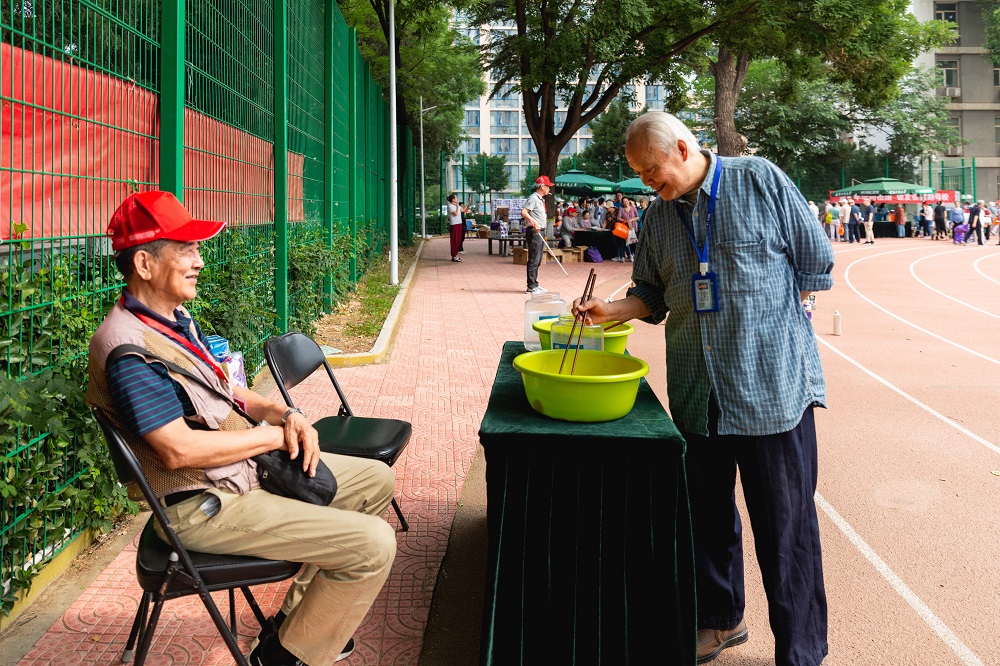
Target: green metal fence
258,112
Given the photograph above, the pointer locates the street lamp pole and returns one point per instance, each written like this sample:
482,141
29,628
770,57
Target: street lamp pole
423,209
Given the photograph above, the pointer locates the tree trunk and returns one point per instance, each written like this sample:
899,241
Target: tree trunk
548,160
729,75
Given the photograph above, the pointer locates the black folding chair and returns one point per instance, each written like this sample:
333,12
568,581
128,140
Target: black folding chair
292,357
167,571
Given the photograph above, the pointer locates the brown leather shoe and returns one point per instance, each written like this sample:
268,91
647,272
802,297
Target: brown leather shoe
713,641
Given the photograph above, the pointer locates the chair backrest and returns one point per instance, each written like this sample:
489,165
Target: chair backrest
292,357
129,471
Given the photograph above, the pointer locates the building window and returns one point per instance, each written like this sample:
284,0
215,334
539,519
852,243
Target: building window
472,147
584,144
655,96
946,11
996,130
513,175
996,77
948,73
506,97
528,147
504,122
503,146
956,122
560,119
471,118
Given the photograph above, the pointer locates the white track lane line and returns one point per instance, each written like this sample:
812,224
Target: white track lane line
980,271
956,645
913,272
847,279
927,408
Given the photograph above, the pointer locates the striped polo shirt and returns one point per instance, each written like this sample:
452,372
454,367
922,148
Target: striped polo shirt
145,395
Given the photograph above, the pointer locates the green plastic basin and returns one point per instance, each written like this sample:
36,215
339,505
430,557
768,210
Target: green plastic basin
602,387
614,340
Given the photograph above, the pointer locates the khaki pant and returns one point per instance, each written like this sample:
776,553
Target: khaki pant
347,547
869,232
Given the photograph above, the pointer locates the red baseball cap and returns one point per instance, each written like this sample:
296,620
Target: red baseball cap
153,215
544,180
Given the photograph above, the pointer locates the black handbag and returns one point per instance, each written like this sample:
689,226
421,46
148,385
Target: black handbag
276,471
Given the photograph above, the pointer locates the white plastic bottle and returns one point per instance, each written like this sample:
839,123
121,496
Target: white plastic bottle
546,305
837,324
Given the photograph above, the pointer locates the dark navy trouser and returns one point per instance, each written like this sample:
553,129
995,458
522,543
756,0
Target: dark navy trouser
778,473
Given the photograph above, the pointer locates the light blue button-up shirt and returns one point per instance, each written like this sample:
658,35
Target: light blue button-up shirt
757,354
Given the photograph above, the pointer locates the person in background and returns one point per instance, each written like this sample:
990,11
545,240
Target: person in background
629,214
869,220
619,199
534,215
599,213
854,223
975,223
568,227
956,216
928,223
881,213
643,205
987,218
899,217
940,225
455,227
845,218
815,210
737,414
585,222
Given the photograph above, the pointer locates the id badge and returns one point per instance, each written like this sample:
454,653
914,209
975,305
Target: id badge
705,291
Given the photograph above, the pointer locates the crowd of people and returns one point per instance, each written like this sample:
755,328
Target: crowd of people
844,219
601,215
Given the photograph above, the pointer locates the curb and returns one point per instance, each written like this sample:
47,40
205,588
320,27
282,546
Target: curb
381,347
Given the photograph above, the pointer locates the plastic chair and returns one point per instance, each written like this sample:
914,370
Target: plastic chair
167,571
294,356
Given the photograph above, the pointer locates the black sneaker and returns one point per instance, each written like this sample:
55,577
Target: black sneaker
269,629
346,652
257,658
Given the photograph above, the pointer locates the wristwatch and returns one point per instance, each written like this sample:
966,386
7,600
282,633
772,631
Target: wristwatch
293,410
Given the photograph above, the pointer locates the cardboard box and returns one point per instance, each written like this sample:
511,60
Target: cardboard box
484,232
554,253
520,256
569,256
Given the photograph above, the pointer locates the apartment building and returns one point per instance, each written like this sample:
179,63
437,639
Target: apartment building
496,126
970,80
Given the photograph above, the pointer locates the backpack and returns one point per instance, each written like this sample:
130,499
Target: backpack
594,255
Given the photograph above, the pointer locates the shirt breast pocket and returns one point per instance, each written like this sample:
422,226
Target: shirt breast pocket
744,266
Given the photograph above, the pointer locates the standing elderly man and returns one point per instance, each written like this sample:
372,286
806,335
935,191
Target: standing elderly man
744,372
534,216
195,448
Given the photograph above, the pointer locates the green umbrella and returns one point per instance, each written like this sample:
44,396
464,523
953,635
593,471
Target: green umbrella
581,184
882,187
633,186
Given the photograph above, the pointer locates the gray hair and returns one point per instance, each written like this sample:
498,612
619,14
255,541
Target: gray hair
661,131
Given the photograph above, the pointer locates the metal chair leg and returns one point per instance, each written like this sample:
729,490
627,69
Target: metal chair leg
137,624
232,610
399,514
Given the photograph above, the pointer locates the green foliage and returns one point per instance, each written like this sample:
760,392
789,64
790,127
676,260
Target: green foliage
310,261
607,149
530,176
432,61
55,475
497,176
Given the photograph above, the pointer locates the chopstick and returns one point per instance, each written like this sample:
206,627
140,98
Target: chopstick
591,278
583,319
608,328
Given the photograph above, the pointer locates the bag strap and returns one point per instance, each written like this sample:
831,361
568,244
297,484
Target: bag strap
126,349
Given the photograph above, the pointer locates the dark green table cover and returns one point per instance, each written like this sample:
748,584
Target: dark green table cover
590,555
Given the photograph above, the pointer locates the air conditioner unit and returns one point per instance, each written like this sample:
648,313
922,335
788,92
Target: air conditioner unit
953,151
952,92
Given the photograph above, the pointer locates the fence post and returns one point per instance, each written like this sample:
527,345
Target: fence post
443,182
352,151
329,117
172,98
281,163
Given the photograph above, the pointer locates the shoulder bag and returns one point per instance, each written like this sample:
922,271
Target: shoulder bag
620,230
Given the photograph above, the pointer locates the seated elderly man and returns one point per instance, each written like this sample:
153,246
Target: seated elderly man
196,450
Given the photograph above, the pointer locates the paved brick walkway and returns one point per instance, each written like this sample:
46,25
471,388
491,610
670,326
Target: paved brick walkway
437,375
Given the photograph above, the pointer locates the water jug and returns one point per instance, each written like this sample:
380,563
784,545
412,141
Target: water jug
546,305
592,336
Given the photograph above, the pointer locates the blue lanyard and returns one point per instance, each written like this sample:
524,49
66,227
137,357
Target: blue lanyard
703,251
